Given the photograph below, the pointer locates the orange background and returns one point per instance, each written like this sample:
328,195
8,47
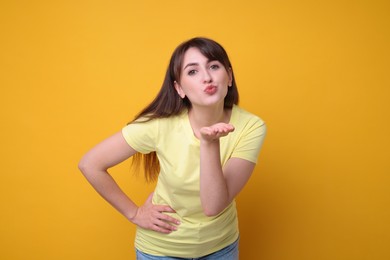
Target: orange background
74,72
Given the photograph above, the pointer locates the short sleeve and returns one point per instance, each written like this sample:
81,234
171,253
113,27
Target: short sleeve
251,140
141,136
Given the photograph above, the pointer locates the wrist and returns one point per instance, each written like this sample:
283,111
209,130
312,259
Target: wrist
209,141
131,216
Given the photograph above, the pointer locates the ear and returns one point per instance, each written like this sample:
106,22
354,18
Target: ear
179,89
230,73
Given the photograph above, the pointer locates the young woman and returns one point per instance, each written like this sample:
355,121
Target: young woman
202,149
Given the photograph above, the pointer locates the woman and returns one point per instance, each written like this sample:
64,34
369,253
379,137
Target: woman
200,146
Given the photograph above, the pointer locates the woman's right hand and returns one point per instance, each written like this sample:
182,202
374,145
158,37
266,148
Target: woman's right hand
150,216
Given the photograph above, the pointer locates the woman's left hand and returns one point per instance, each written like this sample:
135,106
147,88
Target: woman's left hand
214,132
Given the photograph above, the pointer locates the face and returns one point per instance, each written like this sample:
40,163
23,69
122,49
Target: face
204,82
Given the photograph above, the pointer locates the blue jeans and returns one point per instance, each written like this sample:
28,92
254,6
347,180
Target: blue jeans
227,253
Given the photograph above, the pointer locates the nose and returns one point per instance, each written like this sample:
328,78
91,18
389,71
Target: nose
206,76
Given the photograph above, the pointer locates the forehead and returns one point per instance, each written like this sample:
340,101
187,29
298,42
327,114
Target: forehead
193,55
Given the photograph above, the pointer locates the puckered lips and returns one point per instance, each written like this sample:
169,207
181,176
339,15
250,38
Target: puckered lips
211,89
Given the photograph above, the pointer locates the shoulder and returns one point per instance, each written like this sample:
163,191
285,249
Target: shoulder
243,118
153,125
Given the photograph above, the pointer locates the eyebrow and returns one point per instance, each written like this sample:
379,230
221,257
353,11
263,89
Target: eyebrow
190,64
196,64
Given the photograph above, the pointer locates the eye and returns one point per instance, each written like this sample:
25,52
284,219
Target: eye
214,66
191,72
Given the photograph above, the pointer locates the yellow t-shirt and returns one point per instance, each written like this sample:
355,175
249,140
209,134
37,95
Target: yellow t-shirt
178,182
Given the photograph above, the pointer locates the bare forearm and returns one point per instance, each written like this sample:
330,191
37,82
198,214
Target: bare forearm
106,186
214,193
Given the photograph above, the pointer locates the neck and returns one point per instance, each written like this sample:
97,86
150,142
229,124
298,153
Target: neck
207,116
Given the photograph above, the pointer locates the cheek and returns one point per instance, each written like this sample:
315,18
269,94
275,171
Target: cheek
224,77
188,84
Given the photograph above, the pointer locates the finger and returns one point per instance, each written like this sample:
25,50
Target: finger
158,228
164,208
228,127
161,229
206,131
160,209
168,219
225,128
164,225
222,132
157,223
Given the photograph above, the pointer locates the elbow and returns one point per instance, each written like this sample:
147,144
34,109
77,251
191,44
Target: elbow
81,166
84,166
90,167
212,212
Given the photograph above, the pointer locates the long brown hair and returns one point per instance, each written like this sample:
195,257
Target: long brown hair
168,103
